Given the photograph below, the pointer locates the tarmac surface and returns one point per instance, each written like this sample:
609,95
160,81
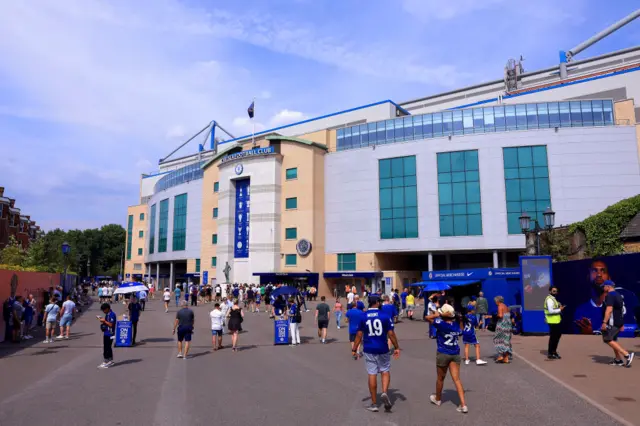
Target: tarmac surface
312,384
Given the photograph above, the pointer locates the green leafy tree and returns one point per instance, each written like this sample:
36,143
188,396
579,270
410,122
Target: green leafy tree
13,254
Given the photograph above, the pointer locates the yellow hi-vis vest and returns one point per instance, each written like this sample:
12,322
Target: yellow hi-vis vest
551,318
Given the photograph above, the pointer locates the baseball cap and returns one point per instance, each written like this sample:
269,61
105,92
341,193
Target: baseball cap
608,283
447,310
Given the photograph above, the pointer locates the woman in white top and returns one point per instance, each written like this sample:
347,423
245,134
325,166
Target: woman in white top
166,296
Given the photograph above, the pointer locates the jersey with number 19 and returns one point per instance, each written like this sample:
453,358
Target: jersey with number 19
375,325
447,336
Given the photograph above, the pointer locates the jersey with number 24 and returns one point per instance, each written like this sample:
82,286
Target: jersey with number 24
375,325
447,336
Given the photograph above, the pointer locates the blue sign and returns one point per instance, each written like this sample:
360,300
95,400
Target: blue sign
536,280
123,333
250,153
471,274
281,332
243,211
239,169
205,277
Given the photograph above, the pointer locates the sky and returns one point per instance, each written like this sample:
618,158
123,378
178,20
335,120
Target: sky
94,92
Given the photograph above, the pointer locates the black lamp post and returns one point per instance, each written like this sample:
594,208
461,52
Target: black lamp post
66,249
549,222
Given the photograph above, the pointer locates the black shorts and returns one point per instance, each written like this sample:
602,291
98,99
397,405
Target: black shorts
323,324
352,337
184,333
610,334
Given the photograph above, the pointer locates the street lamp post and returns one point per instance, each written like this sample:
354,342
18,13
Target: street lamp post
66,249
549,222
89,267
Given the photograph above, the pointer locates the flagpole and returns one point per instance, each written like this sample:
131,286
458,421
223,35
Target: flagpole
253,125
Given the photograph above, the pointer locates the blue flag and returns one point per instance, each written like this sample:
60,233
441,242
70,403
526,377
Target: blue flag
250,110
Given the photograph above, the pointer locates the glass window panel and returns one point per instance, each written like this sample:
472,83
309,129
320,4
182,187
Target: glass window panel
386,213
364,135
474,224
500,122
511,173
489,122
373,136
398,213
398,129
526,172
539,155
399,228
411,211
409,164
417,127
543,116
381,132
473,192
459,209
459,193
447,123
384,167
444,162
587,113
385,198
540,171
385,183
214,262
292,173
340,139
460,225
510,157
291,203
521,117
565,116
355,137
291,259
510,117
478,120
389,131
524,156
446,226
457,161
411,227
598,116
513,190
542,188
410,181
458,128
347,138
473,208
410,196
472,175
386,228
444,177
471,160
513,222
408,128
446,209
528,206
527,189
397,194
467,121
437,124
541,205
576,114
427,126
445,193
607,107
554,114
291,233
396,167
457,177
532,116
514,207
397,181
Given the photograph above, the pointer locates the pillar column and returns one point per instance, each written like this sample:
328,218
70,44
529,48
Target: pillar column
158,275
504,259
430,261
448,260
149,274
171,280
495,259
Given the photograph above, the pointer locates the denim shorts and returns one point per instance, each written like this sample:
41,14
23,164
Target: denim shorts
66,320
217,332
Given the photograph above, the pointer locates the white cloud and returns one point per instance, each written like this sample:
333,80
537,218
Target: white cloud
287,116
265,94
442,10
244,126
176,131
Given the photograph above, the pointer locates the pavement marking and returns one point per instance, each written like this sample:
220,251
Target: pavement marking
576,391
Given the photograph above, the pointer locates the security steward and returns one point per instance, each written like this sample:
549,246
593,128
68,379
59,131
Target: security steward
553,316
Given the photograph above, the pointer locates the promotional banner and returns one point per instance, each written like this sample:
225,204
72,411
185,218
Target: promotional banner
123,333
281,332
536,280
579,289
241,230
205,277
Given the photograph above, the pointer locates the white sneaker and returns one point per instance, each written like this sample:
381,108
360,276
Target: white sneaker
66,337
111,364
103,365
462,409
480,362
466,362
179,355
434,401
46,341
60,337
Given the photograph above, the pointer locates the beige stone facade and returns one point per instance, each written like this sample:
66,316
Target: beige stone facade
134,265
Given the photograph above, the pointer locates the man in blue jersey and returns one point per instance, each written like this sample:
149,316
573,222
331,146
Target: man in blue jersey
354,315
448,355
403,300
374,330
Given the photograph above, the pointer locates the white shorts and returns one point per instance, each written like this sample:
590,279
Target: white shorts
377,363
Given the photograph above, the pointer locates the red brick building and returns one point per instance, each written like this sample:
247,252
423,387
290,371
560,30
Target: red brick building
13,223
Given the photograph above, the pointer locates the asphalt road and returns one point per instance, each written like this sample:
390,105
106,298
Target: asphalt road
262,384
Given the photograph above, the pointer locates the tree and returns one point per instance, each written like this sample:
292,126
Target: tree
13,254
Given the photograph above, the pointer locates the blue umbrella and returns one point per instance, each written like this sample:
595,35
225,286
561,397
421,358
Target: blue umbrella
284,291
126,288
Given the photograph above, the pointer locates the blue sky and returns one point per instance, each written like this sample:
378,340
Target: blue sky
93,93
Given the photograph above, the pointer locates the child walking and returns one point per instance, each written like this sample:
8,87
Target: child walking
469,324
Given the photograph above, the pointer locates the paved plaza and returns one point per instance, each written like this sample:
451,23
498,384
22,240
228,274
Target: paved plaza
312,384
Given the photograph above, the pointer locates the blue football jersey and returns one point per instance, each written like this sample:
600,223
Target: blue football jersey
447,335
470,325
375,325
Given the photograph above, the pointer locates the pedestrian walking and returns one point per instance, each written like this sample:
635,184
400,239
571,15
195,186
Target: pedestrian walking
66,318
448,353
193,290
142,299
217,326
374,331
322,318
167,298
31,306
403,302
553,317
469,338
482,309
502,337
51,312
613,324
184,323
295,318
236,317
354,315
17,315
411,305
134,308
108,328
337,311
218,290
177,293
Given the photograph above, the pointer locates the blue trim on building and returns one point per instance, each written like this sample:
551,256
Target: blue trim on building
352,274
317,118
544,89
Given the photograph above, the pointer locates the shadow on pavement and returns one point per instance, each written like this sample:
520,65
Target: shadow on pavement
155,340
199,354
246,348
128,361
601,359
305,339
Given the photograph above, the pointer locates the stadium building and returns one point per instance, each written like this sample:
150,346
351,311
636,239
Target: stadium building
376,195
